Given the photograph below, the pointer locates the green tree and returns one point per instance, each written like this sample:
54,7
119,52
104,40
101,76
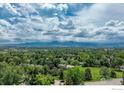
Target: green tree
87,74
11,75
113,74
104,73
73,76
61,75
44,79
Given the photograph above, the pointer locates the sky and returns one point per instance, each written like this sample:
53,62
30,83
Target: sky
67,22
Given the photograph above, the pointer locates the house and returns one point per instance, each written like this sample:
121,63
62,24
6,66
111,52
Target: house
122,68
69,66
58,82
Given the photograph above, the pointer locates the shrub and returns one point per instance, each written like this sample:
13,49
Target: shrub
104,73
87,74
113,74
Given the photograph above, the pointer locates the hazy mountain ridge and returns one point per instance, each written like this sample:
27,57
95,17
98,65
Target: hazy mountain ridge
66,44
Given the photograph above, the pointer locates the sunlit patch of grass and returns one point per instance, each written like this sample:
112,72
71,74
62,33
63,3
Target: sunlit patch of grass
95,73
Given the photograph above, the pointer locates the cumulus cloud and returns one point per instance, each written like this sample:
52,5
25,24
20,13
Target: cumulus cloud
112,23
57,22
98,14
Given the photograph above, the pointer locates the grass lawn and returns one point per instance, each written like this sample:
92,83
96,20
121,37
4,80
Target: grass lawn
96,75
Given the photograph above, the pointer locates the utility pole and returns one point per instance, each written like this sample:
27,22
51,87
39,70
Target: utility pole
122,69
123,78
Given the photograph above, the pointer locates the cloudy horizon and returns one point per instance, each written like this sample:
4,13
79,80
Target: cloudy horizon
23,23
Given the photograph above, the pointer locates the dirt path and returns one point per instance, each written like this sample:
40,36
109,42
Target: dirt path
106,82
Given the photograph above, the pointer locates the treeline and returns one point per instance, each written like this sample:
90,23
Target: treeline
43,66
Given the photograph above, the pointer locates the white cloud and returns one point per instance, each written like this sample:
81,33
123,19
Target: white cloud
94,24
98,14
111,23
9,8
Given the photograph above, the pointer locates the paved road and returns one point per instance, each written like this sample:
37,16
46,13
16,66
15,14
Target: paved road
105,82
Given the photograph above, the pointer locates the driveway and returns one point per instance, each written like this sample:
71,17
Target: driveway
105,82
